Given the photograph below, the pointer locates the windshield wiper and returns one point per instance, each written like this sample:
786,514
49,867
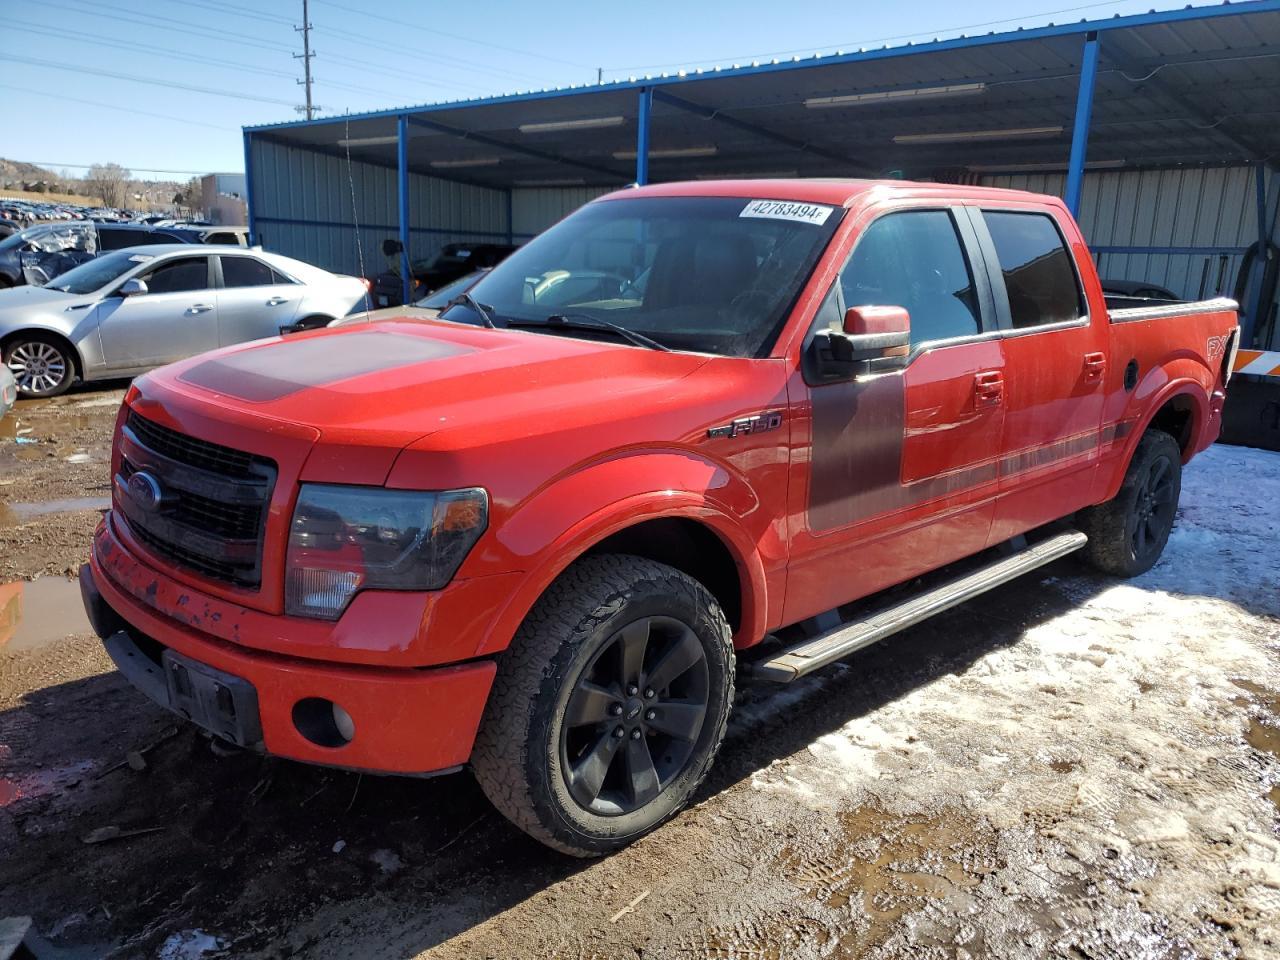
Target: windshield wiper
474,304
584,321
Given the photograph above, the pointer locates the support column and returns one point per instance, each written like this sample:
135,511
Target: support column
402,195
1080,131
642,136
248,189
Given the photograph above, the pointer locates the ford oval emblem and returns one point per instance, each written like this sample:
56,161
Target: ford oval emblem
145,491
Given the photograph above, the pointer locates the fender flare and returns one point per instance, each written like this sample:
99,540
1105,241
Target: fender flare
1178,385
598,522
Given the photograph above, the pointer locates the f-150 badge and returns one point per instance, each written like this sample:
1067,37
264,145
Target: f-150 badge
743,425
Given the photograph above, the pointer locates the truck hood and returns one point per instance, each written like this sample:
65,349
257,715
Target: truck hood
382,386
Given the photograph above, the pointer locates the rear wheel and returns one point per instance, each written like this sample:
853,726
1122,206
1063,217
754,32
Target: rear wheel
42,365
609,707
1128,533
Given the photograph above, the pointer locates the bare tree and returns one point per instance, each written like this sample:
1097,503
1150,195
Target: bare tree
109,182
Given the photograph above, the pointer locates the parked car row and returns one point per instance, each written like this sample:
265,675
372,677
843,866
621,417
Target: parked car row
39,253
129,310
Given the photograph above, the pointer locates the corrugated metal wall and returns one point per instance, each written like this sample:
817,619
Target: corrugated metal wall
536,208
307,205
1212,208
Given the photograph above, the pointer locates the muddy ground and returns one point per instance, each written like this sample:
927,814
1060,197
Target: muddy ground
1071,766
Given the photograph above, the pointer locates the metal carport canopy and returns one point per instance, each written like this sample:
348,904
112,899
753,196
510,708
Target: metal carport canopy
1200,85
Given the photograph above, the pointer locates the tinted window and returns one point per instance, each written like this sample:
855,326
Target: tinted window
178,276
116,239
1038,273
278,277
245,272
915,260
230,238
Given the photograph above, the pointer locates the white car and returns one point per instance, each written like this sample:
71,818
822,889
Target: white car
130,310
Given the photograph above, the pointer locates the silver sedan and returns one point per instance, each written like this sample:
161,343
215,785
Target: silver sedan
134,309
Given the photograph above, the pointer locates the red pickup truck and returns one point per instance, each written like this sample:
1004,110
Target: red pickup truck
539,535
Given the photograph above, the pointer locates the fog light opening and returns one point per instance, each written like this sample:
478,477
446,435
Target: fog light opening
323,722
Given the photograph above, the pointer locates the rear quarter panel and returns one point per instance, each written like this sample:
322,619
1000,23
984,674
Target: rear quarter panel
1176,356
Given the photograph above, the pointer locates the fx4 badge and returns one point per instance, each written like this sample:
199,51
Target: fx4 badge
1215,347
744,425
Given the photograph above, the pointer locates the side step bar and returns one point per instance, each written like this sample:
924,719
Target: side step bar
849,637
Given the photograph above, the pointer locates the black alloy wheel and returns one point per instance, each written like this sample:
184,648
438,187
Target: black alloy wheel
634,715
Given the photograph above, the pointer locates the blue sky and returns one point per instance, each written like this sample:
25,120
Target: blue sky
167,85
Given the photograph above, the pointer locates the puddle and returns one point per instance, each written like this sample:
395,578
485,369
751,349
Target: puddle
41,783
41,612
11,513
1262,734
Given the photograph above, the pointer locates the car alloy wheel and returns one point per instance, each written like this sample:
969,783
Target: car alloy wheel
38,367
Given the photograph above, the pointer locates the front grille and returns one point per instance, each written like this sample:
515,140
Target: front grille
212,514
190,450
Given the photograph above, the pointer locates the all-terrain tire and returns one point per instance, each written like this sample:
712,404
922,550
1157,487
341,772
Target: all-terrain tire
521,758
1128,533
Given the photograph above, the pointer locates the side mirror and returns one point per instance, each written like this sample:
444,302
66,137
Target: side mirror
874,339
132,287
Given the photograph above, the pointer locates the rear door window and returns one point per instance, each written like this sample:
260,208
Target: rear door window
179,276
245,272
914,259
1039,275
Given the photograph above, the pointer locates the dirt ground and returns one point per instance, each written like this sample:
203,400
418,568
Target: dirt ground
1072,766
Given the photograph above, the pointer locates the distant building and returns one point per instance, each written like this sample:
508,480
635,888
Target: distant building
222,198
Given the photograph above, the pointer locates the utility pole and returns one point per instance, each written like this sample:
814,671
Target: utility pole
305,57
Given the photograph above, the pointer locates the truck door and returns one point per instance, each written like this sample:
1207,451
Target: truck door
1055,366
902,466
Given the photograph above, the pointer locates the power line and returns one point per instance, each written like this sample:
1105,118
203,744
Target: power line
78,36
151,81
48,165
400,24
421,79
863,43
113,106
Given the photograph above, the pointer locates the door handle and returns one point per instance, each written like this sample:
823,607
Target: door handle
988,388
276,301
1095,365
199,308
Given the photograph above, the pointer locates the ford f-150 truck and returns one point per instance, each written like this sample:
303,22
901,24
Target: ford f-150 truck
539,535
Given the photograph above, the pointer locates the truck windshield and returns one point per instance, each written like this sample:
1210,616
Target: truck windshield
706,274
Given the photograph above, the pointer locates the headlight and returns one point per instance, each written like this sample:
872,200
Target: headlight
346,539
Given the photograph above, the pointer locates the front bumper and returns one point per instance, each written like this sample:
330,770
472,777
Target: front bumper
406,720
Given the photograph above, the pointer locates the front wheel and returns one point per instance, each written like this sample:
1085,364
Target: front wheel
1128,533
42,366
609,707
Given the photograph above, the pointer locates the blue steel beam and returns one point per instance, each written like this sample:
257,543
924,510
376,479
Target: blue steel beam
708,113
402,195
642,136
1080,130
248,188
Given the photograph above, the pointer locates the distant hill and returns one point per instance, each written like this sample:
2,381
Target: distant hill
17,178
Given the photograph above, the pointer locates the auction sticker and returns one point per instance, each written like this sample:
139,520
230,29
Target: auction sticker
815,213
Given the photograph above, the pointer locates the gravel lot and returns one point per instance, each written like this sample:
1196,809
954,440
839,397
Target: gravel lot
1071,766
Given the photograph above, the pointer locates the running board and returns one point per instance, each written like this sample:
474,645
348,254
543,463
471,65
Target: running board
850,637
